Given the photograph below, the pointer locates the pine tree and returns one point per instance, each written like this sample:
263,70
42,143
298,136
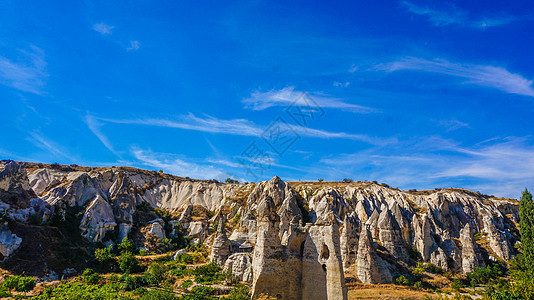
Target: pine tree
526,224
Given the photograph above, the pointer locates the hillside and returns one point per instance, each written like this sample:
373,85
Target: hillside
328,233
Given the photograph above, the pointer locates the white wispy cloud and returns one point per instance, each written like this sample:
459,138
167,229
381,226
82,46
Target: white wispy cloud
452,14
503,167
28,74
134,45
41,141
95,126
103,28
452,124
288,95
341,84
484,75
180,166
244,127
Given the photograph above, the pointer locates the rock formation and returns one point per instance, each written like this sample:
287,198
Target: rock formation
470,255
379,224
370,267
220,249
240,266
97,220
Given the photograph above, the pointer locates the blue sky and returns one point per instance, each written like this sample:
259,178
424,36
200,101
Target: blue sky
417,94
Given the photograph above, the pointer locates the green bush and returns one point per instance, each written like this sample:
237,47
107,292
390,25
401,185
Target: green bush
104,255
457,284
155,273
432,268
89,276
126,246
25,284
402,280
159,295
239,292
127,262
186,284
129,282
208,274
199,293
11,282
82,291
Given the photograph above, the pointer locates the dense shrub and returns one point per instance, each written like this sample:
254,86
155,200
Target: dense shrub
126,245
155,273
457,284
25,284
128,263
208,274
159,295
89,276
104,255
239,292
402,280
81,291
199,293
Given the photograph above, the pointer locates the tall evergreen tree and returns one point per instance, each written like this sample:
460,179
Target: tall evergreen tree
526,224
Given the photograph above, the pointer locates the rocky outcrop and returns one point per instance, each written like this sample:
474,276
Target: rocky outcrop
431,222
156,228
97,220
322,266
305,264
348,243
390,235
470,254
424,242
370,267
9,242
220,249
240,266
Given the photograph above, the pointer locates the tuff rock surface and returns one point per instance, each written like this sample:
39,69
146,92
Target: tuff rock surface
285,228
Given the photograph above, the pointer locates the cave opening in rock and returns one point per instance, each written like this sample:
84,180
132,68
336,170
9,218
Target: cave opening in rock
325,253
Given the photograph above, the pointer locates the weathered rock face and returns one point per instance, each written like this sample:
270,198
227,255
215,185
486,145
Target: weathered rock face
322,267
156,228
370,267
390,235
9,242
348,243
97,220
240,265
431,222
220,249
305,264
470,254
424,242
14,185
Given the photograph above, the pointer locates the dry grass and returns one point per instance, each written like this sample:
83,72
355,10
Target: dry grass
383,291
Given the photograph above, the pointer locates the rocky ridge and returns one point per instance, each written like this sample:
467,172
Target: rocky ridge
368,229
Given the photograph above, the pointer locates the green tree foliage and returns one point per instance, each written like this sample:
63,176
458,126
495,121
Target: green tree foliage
526,225
199,293
104,255
239,292
89,276
25,284
126,245
402,280
230,180
127,262
155,273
